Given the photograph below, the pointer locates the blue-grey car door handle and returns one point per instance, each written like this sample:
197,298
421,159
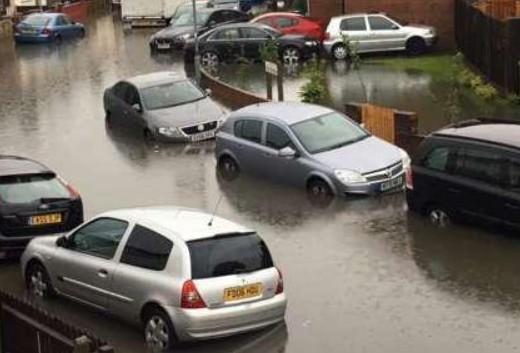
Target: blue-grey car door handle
102,273
240,146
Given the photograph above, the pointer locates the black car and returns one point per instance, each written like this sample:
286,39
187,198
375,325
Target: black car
469,171
33,201
181,28
242,5
230,42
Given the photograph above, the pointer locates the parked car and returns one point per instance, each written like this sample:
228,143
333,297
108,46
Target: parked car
230,42
183,274
149,13
181,28
164,107
376,32
469,171
311,147
188,7
46,28
292,23
34,201
240,5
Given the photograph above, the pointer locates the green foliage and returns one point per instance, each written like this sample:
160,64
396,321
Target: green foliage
269,50
315,89
513,99
482,88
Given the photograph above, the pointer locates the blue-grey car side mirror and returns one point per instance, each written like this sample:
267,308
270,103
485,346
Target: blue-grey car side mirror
62,242
287,152
137,107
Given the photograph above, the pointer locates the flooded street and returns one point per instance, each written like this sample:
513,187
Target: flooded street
361,275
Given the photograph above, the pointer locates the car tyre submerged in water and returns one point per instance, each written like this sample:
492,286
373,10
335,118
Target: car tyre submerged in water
158,330
228,168
209,59
439,217
38,281
319,193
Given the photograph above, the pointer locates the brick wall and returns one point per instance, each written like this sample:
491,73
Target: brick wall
437,13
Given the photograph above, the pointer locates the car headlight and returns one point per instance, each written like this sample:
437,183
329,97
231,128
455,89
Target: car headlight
407,161
186,36
349,177
310,43
170,131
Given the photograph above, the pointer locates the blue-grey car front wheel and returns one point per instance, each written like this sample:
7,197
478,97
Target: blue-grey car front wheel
228,168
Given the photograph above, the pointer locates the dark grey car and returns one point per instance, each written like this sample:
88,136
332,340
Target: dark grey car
309,146
164,107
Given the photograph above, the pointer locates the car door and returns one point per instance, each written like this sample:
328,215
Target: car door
84,267
286,25
133,112
479,186
385,34
288,170
248,145
115,103
512,195
226,43
253,39
356,30
140,270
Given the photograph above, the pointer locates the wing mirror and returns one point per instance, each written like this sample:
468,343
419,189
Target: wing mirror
208,91
137,107
395,27
62,242
287,152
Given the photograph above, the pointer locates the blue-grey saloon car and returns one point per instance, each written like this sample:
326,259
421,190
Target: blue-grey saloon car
309,146
46,28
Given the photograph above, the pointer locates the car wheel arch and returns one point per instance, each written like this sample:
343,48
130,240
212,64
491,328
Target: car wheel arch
321,177
228,154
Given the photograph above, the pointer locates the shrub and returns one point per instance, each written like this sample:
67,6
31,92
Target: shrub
315,89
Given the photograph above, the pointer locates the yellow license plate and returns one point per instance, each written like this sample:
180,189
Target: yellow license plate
46,219
243,292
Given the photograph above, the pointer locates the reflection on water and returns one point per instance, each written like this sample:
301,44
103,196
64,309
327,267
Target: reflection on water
404,89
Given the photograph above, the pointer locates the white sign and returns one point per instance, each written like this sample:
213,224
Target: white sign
30,3
271,68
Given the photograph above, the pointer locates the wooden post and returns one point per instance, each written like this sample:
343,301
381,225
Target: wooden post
269,84
279,81
354,112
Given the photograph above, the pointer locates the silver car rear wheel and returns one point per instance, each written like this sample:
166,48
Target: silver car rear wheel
339,52
157,333
38,282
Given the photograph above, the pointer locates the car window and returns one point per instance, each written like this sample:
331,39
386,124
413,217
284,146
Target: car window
100,237
249,130
37,21
171,95
514,175
60,21
480,165
265,21
378,23
285,22
354,24
230,15
254,33
132,96
328,132
226,34
119,90
227,255
217,17
29,188
277,138
437,159
146,249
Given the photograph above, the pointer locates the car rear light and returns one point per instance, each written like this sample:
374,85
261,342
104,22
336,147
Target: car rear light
409,178
279,287
190,298
73,192
47,31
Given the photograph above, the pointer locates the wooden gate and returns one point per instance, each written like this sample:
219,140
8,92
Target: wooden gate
379,121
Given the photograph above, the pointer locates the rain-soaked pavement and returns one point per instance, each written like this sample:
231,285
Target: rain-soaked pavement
361,275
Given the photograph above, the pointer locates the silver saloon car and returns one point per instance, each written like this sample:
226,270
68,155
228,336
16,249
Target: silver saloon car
184,275
309,146
375,32
163,107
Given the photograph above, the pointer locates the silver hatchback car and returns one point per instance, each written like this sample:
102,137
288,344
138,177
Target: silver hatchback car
308,146
376,32
182,274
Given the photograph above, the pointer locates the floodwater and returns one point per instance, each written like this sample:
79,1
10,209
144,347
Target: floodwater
361,275
436,102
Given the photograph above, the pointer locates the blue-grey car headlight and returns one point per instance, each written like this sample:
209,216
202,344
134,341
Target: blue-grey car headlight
170,131
348,177
407,161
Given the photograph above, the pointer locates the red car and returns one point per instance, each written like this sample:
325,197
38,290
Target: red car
292,23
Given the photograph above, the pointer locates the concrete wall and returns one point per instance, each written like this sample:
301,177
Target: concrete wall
6,27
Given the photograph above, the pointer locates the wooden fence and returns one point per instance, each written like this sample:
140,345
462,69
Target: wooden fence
490,44
499,9
395,126
27,329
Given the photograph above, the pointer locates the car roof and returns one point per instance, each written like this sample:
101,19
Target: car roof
169,221
46,14
246,24
288,14
498,131
13,165
285,112
154,79
360,14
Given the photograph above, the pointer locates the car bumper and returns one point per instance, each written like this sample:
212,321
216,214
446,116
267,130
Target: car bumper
202,324
374,188
13,247
327,46
431,41
186,138
31,39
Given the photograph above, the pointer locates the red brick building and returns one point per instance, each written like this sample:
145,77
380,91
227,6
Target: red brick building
437,13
